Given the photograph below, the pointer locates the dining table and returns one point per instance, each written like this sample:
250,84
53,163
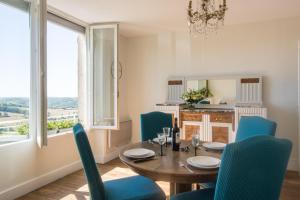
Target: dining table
172,166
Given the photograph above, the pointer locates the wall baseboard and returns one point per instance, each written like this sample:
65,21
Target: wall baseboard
37,182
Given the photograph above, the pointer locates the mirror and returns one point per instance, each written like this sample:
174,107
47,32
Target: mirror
223,90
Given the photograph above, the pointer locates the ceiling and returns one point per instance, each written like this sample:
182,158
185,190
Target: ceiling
139,17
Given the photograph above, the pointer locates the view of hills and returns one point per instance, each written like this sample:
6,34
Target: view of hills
23,102
14,114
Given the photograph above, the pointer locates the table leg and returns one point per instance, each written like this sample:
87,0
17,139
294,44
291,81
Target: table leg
176,188
172,189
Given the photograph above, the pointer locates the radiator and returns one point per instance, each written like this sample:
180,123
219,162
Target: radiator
249,91
121,137
249,111
175,90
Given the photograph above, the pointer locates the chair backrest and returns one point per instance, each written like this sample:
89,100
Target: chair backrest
95,183
153,122
253,169
250,126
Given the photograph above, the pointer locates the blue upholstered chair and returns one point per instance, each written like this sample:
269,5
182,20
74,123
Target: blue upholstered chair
253,125
252,169
131,188
250,126
152,123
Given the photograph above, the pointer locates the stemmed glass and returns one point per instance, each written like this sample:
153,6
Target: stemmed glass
196,142
166,131
161,140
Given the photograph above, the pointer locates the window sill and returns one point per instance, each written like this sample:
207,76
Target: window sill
12,144
60,134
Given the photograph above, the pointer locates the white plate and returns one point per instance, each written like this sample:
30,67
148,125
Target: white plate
214,145
169,140
139,153
205,162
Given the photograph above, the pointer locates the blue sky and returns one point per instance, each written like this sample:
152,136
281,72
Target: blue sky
15,56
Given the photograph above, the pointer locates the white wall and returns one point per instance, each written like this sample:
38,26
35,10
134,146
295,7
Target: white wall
268,48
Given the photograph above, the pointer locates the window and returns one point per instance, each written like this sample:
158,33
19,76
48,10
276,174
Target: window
104,76
14,72
35,69
62,77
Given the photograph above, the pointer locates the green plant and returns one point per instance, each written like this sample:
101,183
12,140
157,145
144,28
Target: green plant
53,125
23,129
195,96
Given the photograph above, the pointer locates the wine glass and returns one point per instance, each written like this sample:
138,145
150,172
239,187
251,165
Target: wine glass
196,142
161,140
166,131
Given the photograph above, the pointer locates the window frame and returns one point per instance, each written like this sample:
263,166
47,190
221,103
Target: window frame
30,8
91,87
81,31
38,71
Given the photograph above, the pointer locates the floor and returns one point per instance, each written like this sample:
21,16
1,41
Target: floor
74,187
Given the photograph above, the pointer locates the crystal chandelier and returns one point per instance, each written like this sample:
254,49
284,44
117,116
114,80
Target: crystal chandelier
207,17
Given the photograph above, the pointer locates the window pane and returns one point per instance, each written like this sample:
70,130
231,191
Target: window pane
62,78
105,91
14,74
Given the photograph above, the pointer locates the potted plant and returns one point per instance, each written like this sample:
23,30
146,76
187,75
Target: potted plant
192,97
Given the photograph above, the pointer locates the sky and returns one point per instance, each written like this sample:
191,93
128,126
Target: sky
15,56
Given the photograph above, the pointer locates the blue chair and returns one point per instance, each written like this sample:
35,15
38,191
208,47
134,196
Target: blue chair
250,126
131,188
152,123
252,169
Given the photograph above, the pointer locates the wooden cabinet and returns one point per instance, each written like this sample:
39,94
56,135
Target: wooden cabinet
220,134
212,126
222,117
190,116
217,125
189,128
222,126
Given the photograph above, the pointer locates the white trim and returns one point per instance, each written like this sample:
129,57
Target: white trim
39,181
60,134
66,16
14,144
42,75
33,68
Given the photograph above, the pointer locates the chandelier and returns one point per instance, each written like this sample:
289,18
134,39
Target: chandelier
207,17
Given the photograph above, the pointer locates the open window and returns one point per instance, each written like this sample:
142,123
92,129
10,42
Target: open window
104,76
15,71
64,64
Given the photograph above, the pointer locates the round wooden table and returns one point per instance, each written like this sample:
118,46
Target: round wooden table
169,166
